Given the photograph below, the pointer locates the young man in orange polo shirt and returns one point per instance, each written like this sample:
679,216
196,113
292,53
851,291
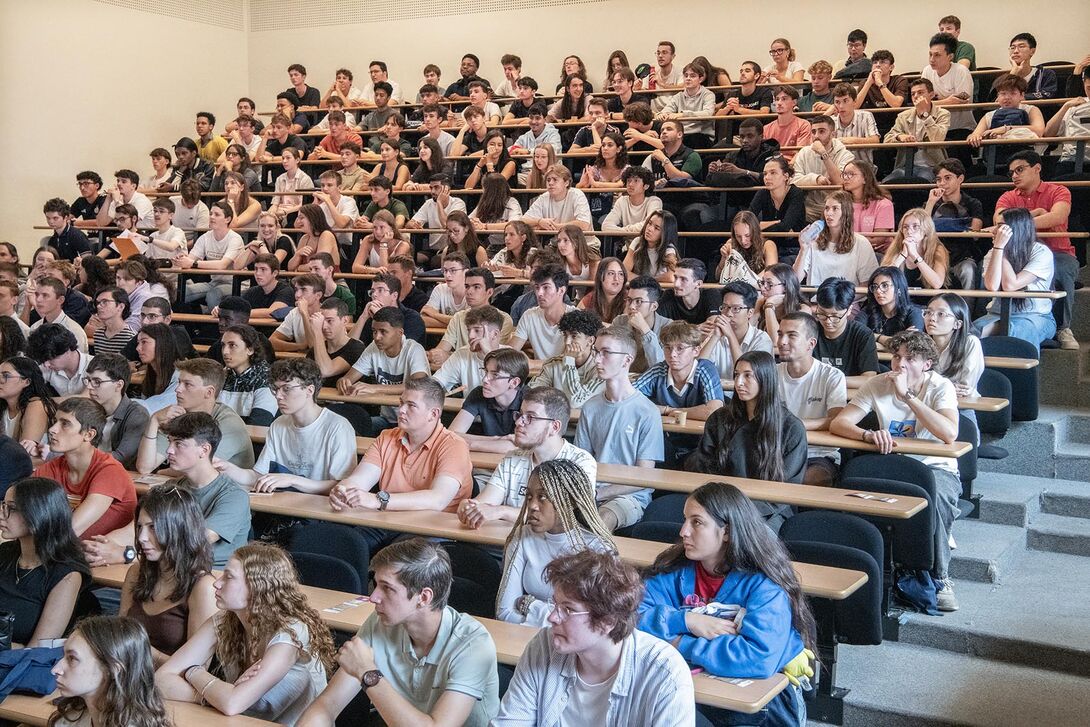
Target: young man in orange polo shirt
417,465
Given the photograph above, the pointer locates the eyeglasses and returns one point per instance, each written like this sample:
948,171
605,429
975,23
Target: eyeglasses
92,383
832,318
151,317
7,509
677,348
776,51
880,287
637,302
939,314
524,417
6,377
452,270
563,613
849,175
278,389
1014,171
732,310
377,291
766,284
596,352
493,375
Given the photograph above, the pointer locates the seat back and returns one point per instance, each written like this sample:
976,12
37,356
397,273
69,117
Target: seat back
657,532
967,463
477,576
325,571
342,542
1025,383
994,384
911,540
856,619
666,509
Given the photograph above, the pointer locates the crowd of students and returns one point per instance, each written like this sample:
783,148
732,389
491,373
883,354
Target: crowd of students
642,342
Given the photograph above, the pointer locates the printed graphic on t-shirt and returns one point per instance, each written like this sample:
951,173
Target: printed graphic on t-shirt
906,428
385,377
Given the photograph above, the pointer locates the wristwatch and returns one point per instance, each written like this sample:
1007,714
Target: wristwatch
370,679
129,554
383,499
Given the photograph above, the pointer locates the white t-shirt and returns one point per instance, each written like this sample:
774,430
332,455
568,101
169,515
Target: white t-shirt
971,367
754,340
325,449
143,208
587,703
462,368
174,237
457,334
490,109
573,206
513,471
207,247
793,67
397,370
442,300
190,218
812,395
956,81
545,337
895,416
291,327
345,206
1075,123
1042,265
68,385
629,217
855,265
428,217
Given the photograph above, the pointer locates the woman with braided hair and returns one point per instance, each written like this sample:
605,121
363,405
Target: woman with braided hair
559,516
275,654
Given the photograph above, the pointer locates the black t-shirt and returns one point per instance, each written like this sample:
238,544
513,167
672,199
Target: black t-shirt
951,217
71,242
494,422
791,214
416,299
414,326
258,298
27,598
671,306
350,352
275,148
585,137
181,340
520,110
616,106
84,210
761,96
854,352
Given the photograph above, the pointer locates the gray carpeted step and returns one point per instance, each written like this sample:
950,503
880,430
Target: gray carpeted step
895,685
1059,534
984,550
1071,504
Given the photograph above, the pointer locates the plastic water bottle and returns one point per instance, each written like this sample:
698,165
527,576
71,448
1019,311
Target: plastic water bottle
810,233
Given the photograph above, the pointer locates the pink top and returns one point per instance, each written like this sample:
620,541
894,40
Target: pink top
875,216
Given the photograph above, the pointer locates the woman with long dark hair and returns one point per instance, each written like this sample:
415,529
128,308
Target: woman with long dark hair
872,206
887,308
580,259
607,297
27,408
236,194
829,248
558,516
541,161
247,356
94,275
961,357
572,106
43,570
519,246
432,162
494,159
274,652
169,588
107,679
158,352
780,294
655,252
746,252
1017,261
12,340
462,237
391,165
317,237
728,559
236,159
382,245
573,67
753,435
617,60
495,209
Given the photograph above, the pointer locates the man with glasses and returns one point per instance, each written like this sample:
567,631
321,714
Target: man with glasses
1040,80
620,426
480,284
448,297
158,310
192,442
309,448
1050,205
857,64
539,437
63,365
385,293
641,315
495,403
846,344
688,301
432,215
538,326
199,383
574,371
107,378
388,362
731,333
91,199
812,390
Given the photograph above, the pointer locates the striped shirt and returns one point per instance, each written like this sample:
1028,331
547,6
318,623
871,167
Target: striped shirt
861,125
113,344
513,471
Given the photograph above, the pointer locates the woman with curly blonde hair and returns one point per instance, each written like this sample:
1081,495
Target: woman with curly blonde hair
106,677
274,651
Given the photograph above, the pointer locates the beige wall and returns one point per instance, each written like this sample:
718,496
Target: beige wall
89,85
702,27
65,113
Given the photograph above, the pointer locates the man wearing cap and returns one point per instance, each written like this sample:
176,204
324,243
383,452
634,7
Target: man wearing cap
232,311
189,165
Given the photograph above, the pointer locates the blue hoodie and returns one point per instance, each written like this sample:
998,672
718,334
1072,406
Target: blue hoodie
762,647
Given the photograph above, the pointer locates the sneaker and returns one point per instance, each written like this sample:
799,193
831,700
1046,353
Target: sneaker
1067,340
953,543
947,601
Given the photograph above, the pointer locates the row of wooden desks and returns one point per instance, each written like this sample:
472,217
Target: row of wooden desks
24,709
347,612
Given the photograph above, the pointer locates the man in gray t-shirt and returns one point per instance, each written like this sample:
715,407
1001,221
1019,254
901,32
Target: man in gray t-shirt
620,426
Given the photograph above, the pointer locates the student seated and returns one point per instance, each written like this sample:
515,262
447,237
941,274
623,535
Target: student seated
330,346
448,297
43,570
731,333
812,390
157,356
214,250
642,317
1017,261
655,251
687,301
49,295
727,558
684,381
107,675
914,401
1040,80
385,293
417,465
100,491
417,659
631,210
918,252
1067,121
619,426
538,326
63,365
574,371
539,437
169,588
924,121
746,252
246,387
293,334
495,403
571,671
463,370
480,284
846,344
274,659
157,310
829,248
27,408
560,205
199,383
107,379
744,165
887,309
952,210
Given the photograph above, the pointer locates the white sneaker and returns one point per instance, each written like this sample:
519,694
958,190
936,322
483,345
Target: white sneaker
1066,339
947,601
953,543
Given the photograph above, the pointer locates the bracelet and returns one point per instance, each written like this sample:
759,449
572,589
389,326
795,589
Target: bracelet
189,670
1000,249
203,689
152,437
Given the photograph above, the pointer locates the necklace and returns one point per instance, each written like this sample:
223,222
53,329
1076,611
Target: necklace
25,571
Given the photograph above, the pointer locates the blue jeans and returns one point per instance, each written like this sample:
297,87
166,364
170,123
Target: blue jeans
1032,327
787,709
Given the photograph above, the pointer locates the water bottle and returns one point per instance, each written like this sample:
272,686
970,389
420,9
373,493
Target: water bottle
810,232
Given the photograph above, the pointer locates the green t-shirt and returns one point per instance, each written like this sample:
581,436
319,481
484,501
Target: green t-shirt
346,295
396,207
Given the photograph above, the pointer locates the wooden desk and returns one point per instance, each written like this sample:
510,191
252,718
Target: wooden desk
36,711
739,695
990,362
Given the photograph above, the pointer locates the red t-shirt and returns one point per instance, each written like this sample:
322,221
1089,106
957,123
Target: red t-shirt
1045,197
707,585
105,476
